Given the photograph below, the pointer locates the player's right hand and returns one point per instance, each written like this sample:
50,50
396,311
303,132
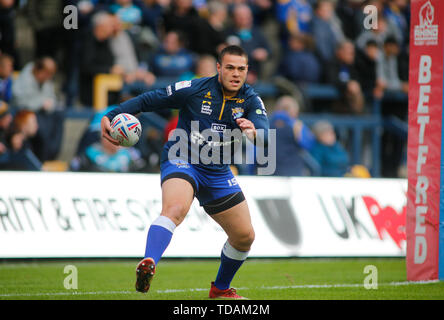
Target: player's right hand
106,131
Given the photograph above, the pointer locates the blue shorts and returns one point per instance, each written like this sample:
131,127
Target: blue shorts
216,190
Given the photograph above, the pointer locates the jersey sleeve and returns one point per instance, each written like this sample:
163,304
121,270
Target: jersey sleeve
173,97
258,115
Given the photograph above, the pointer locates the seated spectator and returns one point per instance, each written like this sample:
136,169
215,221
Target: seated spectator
5,124
19,155
292,137
6,69
183,16
387,68
351,14
129,14
251,39
211,31
7,28
137,79
104,156
326,30
294,16
34,90
365,64
378,34
205,67
299,64
97,56
342,74
329,153
172,59
397,13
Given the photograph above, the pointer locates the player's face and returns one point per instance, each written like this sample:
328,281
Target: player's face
232,71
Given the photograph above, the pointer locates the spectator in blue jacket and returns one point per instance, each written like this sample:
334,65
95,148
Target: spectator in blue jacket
299,64
172,59
331,156
292,137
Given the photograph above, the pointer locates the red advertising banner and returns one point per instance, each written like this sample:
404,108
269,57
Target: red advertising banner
424,138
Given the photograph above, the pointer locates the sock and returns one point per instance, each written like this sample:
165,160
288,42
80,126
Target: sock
231,260
159,237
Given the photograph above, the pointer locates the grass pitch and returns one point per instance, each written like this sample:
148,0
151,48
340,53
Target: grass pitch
258,279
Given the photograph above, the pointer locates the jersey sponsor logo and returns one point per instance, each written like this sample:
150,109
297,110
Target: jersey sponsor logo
206,107
182,84
218,127
237,112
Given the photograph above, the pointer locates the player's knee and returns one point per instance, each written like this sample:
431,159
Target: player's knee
176,212
244,241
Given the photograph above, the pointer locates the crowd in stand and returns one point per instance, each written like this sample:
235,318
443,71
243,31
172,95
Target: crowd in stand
148,41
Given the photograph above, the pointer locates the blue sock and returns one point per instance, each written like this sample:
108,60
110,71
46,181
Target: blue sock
159,237
231,260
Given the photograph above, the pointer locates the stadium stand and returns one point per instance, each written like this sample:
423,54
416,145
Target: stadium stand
363,135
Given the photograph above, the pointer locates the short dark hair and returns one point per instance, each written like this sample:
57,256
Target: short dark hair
233,50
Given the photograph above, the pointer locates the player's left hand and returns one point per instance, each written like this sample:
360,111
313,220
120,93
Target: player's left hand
247,127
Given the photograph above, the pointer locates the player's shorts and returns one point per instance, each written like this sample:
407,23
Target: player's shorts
216,191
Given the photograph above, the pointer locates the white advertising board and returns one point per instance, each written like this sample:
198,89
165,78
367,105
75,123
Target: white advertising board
108,215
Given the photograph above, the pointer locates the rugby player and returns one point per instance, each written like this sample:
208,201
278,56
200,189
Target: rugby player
220,103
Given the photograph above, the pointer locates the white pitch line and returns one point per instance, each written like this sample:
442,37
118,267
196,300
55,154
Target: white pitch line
302,286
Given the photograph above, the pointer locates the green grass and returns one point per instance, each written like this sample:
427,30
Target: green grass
282,279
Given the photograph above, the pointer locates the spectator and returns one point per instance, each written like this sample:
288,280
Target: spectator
326,30
172,59
378,34
184,17
365,64
292,137
299,64
7,28
294,16
152,11
343,74
129,14
46,20
395,13
97,55
329,153
6,69
137,78
351,14
5,123
387,68
211,31
34,90
251,39
205,67
104,156
20,155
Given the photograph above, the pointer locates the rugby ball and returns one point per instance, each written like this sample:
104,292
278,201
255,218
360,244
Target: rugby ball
126,128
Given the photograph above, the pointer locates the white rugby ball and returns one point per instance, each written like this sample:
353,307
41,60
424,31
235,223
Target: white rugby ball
126,128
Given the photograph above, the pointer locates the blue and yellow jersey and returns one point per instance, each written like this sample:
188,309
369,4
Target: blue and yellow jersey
207,126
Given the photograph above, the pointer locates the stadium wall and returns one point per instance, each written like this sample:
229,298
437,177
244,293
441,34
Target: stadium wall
62,215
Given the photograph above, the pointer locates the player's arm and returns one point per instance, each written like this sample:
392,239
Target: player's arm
255,124
172,97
